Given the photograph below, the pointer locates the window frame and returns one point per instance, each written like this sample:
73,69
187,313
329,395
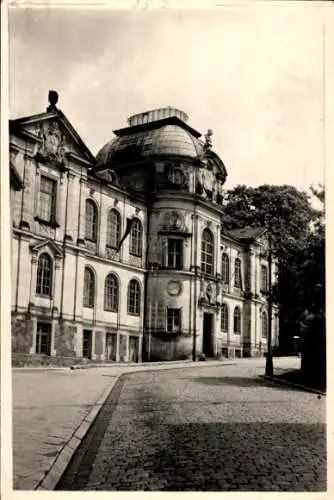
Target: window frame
93,230
116,223
89,297
237,331
136,238
133,307
175,254
174,327
207,258
225,271
42,216
264,278
264,317
39,336
224,324
40,276
111,296
237,275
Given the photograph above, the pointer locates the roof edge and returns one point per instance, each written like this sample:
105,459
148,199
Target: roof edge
172,120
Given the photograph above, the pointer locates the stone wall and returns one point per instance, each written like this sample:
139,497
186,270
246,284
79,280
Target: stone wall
22,334
64,341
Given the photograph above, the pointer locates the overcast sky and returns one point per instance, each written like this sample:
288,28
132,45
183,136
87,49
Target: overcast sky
252,74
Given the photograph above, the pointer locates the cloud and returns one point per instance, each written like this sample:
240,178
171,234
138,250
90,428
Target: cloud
253,75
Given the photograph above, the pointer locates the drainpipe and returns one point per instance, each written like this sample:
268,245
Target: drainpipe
195,288
146,309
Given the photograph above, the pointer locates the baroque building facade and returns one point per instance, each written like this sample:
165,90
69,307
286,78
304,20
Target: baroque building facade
122,256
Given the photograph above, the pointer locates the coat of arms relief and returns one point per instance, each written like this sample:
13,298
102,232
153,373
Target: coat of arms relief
52,142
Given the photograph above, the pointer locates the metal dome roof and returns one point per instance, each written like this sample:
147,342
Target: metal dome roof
159,132
169,139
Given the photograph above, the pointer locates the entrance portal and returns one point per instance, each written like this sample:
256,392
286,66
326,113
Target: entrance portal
207,335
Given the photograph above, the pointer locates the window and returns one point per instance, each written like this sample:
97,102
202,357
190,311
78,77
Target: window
175,253
136,237
237,274
173,320
111,293
113,228
225,269
237,321
207,252
134,297
264,278
47,199
224,318
91,221
264,322
44,275
89,288
43,338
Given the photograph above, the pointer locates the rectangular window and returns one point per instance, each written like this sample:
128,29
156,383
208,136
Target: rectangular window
175,254
47,199
43,338
264,279
173,320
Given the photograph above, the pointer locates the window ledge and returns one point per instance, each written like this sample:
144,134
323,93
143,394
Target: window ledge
47,222
136,255
133,314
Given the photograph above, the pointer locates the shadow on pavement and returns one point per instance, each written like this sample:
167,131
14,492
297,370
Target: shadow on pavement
211,457
247,457
241,382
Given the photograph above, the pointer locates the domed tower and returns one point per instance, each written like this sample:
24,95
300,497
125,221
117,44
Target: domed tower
165,160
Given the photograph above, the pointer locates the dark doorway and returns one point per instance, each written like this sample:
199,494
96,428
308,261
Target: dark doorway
111,346
87,344
207,335
134,349
43,338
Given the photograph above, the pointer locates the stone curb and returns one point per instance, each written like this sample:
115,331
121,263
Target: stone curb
152,366
292,384
52,477
130,365
50,480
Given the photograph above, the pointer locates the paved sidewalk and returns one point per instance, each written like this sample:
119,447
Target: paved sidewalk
49,405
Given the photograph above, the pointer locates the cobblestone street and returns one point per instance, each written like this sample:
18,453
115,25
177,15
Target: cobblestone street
203,429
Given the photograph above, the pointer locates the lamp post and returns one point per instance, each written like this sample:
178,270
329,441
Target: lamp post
269,359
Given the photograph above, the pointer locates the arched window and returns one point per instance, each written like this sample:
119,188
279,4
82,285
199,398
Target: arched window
44,275
237,274
264,278
207,252
237,320
89,288
91,221
224,318
136,238
264,322
113,228
111,293
134,297
225,269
